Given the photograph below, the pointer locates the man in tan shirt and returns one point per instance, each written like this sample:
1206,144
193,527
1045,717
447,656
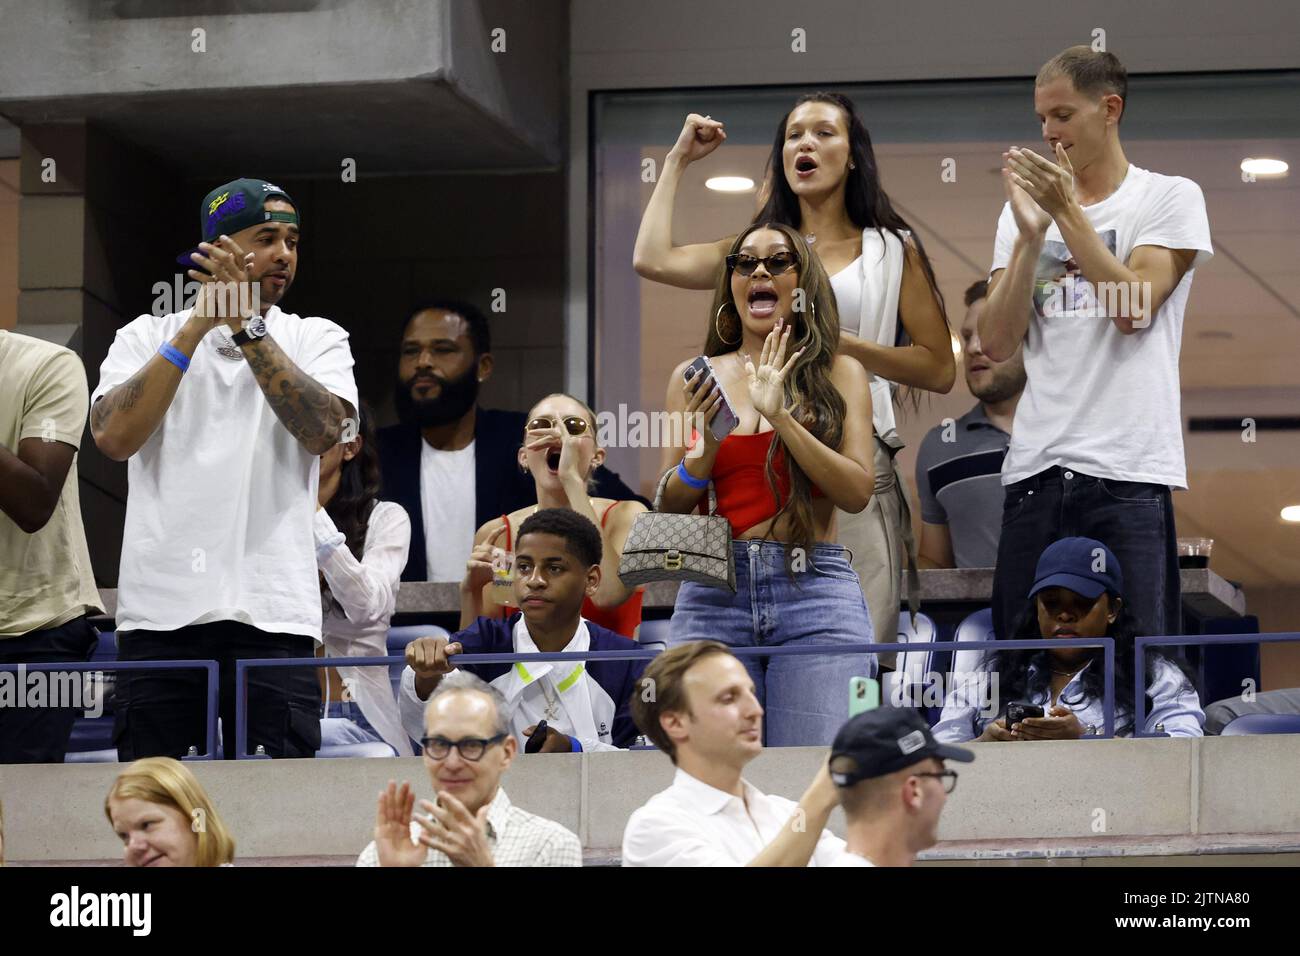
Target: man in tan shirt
46,585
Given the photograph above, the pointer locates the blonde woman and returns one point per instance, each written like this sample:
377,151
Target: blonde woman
164,818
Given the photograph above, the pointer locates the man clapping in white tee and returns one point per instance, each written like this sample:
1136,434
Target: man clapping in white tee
222,412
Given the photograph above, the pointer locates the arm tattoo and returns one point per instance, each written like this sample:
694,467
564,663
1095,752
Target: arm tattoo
121,397
312,414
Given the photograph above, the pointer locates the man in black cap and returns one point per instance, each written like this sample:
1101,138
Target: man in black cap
892,785
222,411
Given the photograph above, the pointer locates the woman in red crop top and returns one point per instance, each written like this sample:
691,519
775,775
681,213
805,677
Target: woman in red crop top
802,448
561,452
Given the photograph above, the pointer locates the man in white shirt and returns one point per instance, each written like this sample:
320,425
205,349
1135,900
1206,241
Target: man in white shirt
1092,268
451,464
222,411
467,748
892,785
696,702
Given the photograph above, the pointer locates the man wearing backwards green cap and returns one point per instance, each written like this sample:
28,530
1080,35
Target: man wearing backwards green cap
222,411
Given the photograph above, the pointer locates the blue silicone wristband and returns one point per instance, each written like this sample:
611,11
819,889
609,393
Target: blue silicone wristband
690,479
174,355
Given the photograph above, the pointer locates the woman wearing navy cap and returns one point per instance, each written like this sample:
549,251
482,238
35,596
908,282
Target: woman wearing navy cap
1077,593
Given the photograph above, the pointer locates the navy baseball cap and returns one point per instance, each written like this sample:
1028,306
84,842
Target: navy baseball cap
1084,565
237,205
884,740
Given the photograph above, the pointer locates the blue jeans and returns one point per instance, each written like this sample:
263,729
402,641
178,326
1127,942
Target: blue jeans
1134,519
806,698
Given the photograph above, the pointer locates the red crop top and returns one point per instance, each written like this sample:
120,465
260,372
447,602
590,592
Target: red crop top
740,481
624,619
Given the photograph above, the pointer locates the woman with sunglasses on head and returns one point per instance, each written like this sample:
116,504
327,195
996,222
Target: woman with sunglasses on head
361,549
561,453
1077,593
822,180
800,451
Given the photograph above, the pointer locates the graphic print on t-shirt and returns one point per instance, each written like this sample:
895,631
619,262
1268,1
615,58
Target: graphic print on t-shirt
1060,287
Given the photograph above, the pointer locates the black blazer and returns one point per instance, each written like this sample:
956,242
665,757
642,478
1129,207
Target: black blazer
500,487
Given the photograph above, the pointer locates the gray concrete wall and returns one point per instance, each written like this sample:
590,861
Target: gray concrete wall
69,48
1157,793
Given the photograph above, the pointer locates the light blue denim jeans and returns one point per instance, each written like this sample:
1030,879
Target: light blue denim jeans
806,698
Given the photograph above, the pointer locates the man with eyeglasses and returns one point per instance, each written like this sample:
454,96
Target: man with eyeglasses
892,785
467,748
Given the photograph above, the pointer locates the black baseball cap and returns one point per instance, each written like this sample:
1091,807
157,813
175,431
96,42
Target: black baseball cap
1084,565
237,205
884,740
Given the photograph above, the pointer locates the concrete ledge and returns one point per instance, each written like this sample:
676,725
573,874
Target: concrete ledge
1050,801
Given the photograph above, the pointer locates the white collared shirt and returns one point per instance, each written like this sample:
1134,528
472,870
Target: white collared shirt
582,708
515,837
694,824
359,605
1175,705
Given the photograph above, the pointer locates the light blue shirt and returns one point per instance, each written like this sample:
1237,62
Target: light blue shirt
1174,703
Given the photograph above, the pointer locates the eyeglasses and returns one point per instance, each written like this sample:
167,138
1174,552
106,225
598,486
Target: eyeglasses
470,748
778,263
573,424
949,778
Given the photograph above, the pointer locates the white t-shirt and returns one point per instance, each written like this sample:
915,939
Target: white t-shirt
447,499
221,497
1098,401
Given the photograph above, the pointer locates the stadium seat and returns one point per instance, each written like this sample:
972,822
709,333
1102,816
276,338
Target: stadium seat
975,627
654,634
1262,724
913,666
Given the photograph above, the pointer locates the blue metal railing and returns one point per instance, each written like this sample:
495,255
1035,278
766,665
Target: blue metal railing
830,650
210,735
1141,644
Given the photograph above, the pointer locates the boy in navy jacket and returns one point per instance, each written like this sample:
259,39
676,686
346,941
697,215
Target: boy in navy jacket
585,704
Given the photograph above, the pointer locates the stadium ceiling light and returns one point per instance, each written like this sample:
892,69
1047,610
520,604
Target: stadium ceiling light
1264,167
1291,513
956,345
729,184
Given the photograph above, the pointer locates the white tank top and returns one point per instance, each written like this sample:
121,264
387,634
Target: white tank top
847,286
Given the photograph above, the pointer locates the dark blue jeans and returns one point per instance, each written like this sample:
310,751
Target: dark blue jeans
40,734
1134,519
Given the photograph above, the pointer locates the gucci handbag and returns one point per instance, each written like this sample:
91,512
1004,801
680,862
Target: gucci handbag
673,547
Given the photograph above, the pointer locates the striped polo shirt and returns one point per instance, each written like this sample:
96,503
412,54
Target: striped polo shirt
959,482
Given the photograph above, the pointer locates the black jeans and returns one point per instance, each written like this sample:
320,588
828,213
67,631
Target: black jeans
1134,519
163,713
40,734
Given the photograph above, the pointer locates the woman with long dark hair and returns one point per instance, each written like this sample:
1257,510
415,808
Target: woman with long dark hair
1077,593
361,549
822,180
801,450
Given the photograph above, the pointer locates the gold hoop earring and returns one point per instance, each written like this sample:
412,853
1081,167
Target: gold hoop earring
717,327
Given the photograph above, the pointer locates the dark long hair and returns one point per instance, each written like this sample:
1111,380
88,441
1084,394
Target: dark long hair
1015,684
815,401
359,483
865,200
